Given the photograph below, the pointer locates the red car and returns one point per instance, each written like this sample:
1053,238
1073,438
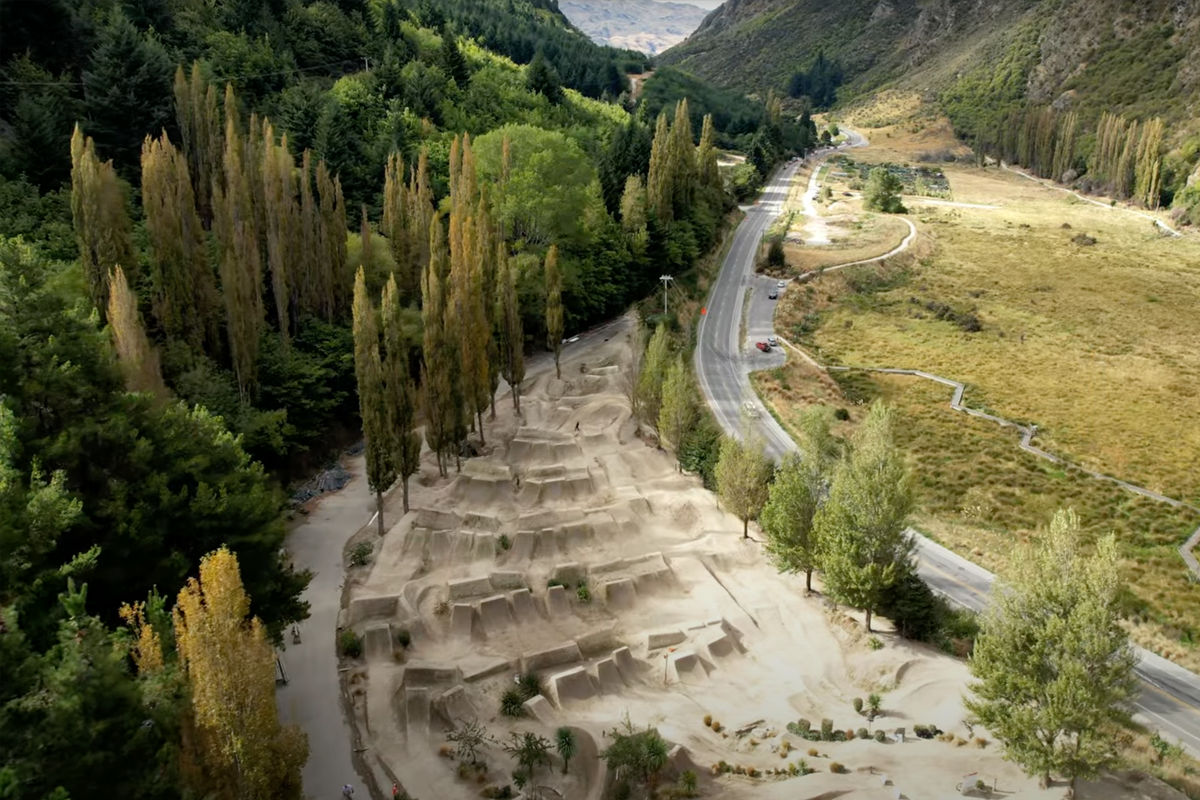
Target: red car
766,348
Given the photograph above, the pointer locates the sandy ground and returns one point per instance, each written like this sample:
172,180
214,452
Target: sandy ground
685,619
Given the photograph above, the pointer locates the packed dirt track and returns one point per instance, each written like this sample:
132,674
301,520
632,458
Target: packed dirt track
678,619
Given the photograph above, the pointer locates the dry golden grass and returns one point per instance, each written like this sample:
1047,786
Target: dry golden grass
978,493
854,237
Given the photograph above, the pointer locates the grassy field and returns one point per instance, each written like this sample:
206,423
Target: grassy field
854,237
1096,343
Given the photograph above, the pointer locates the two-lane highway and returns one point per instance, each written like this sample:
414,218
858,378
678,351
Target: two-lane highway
1170,700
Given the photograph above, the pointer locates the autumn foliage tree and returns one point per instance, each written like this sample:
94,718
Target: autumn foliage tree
139,361
554,308
230,668
372,401
100,211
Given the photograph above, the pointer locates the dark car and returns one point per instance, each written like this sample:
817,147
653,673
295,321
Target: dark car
774,295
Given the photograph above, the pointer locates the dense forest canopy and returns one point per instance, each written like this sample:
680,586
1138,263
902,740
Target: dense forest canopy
188,190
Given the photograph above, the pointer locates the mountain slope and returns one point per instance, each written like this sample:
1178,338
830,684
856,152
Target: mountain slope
644,25
1134,57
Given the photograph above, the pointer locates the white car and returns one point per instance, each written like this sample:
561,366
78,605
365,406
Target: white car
771,340
750,409
781,285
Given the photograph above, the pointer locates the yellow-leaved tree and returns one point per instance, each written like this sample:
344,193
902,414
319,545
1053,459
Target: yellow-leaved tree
230,668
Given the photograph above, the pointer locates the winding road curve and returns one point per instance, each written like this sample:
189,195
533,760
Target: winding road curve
1170,701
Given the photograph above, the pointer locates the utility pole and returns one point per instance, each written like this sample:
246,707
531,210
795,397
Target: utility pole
666,281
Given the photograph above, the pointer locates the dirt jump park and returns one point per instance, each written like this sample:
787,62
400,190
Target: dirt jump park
575,550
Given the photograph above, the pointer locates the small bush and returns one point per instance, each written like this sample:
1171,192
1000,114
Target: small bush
361,554
724,767
1083,240
464,770
858,705
716,726
550,584
813,752
799,728
403,637
793,770
441,609
980,785
446,750
622,791
841,414
979,742
583,594
753,773
505,542
847,735
708,720
863,733
512,704
836,768
350,644
874,701
529,686
827,729
687,783
880,736
875,643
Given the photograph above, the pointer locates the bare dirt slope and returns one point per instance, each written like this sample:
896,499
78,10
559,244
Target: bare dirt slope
683,619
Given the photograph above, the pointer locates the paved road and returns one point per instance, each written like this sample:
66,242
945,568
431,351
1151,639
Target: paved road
1170,700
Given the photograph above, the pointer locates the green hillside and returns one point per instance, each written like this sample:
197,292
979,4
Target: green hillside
1136,58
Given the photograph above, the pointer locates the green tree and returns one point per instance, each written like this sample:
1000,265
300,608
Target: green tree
453,62
775,254
660,187
865,548
654,365
372,401
542,78
883,192
642,754
795,495
554,307
126,90
512,339
1053,668
743,476
566,744
678,413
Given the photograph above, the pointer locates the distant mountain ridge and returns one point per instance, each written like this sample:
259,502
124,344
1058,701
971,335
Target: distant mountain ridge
1138,58
643,25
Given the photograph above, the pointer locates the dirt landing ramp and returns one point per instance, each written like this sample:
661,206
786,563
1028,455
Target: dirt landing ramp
377,644
494,615
609,676
540,709
454,707
620,595
626,664
574,685
524,609
416,714
537,446
566,653
557,604
684,666
462,618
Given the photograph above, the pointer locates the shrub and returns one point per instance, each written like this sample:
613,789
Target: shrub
799,728
841,414
880,736
847,735
812,752
505,542
350,644
403,637
775,256
793,770
441,609
583,594
875,643
803,767
836,768
708,720
464,770
512,704
979,742
361,554
980,785
827,729
858,705
550,584
1083,240
529,685
687,783
716,726
863,733
622,791
753,773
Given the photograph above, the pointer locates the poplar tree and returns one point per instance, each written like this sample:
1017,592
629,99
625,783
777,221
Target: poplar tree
512,342
138,360
241,263
682,161
421,212
397,224
333,239
101,217
1123,182
653,373
708,173
795,495
678,413
554,307
230,669
184,289
198,115
1148,169
1064,152
401,393
435,371
468,238
311,290
1053,668
861,526
282,223
743,473
372,404
660,189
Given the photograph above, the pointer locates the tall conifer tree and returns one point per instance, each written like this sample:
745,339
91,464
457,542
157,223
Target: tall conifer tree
401,395
660,188
372,403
